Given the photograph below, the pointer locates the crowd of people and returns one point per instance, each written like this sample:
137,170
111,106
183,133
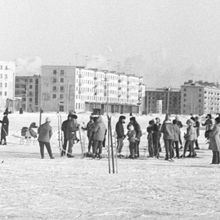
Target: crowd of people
167,134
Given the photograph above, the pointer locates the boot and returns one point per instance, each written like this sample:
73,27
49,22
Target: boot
214,157
217,157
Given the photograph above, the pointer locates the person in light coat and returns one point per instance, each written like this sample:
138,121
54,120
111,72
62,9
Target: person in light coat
214,145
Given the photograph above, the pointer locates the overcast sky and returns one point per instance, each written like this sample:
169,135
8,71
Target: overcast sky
157,38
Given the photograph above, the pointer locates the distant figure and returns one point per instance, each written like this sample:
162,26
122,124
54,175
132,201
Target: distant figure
4,129
214,144
150,138
132,140
176,138
197,127
119,128
180,125
208,125
45,133
156,137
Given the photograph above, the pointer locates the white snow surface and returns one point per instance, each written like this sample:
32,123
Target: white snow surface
76,188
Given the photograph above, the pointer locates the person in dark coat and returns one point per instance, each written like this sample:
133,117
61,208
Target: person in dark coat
138,132
71,128
180,125
150,130
99,132
64,129
156,138
89,128
168,135
197,127
4,129
45,133
208,125
214,145
119,128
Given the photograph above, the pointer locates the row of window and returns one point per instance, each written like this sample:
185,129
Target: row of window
3,67
55,80
5,93
55,72
1,76
5,85
61,88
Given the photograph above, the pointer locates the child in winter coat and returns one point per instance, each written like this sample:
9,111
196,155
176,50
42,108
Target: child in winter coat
176,137
190,137
132,140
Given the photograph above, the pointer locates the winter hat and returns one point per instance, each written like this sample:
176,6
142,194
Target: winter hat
122,117
189,121
47,119
217,120
209,116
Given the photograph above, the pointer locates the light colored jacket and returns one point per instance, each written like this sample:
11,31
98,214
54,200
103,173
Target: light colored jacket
214,137
190,134
99,130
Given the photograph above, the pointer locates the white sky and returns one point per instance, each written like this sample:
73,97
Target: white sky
162,36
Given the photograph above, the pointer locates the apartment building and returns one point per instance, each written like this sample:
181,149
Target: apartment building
27,88
200,98
7,82
162,100
66,88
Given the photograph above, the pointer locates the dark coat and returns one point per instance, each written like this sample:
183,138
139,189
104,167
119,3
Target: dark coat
176,132
45,132
131,136
5,125
71,127
137,129
119,128
89,128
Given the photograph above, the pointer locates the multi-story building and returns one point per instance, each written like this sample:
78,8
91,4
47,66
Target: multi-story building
169,98
66,88
28,89
200,98
7,82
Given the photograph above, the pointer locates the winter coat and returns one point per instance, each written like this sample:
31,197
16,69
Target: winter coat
179,123
45,132
5,124
137,129
176,132
71,127
150,132
119,128
89,128
131,136
190,134
197,127
168,130
214,137
156,131
99,130
208,124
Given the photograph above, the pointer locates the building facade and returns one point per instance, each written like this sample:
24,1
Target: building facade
166,99
200,98
70,88
28,89
7,82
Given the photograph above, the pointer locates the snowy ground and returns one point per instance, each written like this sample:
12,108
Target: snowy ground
66,188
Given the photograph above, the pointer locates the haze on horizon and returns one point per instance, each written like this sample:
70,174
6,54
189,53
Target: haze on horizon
168,41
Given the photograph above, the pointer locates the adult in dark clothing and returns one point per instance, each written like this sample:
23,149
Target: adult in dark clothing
45,133
197,127
168,135
176,138
71,128
89,128
156,137
64,129
150,130
99,132
119,128
4,129
208,125
138,131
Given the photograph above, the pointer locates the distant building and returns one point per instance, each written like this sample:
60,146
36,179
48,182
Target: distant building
200,98
28,89
163,100
70,88
7,82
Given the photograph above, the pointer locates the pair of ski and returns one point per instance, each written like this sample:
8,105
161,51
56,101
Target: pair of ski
112,156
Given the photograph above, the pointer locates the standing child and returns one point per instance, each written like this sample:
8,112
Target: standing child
150,138
132,140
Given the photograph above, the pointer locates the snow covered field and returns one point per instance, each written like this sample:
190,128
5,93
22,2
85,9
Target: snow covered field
75,188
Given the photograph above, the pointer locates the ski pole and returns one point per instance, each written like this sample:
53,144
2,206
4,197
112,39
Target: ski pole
109,161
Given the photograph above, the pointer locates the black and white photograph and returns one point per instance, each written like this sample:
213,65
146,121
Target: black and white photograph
110,109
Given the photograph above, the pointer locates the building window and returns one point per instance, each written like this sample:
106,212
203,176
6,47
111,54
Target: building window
54,96
31,80
54,88
5,93
5,84
62,72
61,108
30,99
54,80
61,96
0,84
61,80
61,88
30,87
6,76
54,72
0,92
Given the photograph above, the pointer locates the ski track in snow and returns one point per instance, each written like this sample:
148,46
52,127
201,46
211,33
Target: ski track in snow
75,188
